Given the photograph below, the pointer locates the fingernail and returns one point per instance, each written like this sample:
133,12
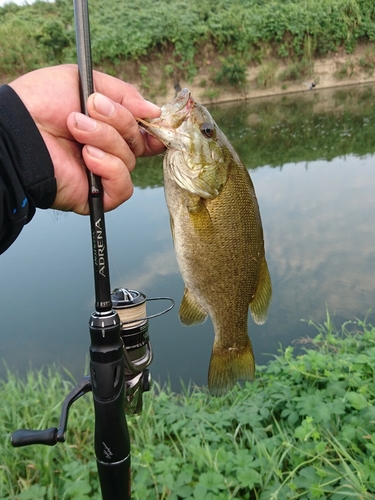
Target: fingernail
95,152
84,122
103,105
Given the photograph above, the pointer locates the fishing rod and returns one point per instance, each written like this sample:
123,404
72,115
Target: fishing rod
107,361
120,349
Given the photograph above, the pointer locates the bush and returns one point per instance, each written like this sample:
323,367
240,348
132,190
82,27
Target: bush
122,31
232,72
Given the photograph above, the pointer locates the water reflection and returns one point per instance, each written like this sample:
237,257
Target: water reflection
321,241
312,162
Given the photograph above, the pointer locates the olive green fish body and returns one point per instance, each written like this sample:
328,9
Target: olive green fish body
218,239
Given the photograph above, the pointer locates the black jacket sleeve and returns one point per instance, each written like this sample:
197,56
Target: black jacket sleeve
26,171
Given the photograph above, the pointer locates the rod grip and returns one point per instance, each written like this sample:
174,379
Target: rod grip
25,437
117,485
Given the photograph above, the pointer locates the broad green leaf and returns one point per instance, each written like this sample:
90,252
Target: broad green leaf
33,493
357,401
200,491
212,481
78,489
247,478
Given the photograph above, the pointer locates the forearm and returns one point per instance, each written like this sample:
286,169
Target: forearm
26,171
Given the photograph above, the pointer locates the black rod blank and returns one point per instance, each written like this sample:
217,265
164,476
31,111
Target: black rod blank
98,232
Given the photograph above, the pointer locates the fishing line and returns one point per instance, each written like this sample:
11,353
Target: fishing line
138,314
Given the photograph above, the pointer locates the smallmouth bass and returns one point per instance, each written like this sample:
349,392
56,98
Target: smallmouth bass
217,234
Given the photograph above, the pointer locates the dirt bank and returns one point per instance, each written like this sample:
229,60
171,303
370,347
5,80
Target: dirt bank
335,70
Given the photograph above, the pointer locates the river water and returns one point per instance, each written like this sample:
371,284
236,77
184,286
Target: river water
312,160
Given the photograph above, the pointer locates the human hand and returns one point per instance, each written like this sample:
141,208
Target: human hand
111,136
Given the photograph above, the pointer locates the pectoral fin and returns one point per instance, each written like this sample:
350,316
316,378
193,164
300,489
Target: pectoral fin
261,301
200,217
191,313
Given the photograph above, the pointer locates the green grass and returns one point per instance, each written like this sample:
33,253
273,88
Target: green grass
245,30
304,429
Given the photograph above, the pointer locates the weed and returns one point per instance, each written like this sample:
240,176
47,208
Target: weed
304,429
267,75
346,70
367,62
211,94
296,71
143,71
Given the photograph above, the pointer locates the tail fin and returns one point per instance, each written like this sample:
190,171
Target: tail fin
227,366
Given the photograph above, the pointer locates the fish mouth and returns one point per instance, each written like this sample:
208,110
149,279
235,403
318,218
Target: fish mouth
178,109
172,116
182,100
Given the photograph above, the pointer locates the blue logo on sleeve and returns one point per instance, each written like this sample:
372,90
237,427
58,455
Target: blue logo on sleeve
23,204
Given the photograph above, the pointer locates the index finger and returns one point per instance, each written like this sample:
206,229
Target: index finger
126,95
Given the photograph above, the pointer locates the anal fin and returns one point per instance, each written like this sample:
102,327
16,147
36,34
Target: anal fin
191,313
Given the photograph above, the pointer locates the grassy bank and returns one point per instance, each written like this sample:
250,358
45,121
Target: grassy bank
164,41
305,429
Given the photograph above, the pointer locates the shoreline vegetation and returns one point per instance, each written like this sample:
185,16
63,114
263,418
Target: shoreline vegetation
304,429
237,49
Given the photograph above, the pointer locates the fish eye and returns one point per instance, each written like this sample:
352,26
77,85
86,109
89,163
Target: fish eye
207,130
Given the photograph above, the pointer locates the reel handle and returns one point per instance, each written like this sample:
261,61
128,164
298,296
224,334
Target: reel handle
25,437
